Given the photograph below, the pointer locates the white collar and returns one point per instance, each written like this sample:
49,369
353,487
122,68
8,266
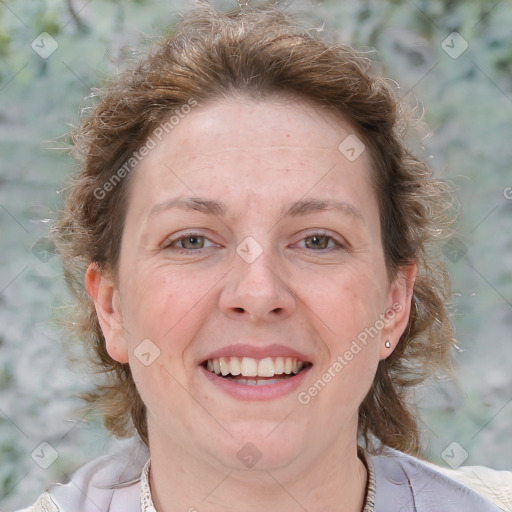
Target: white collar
146,502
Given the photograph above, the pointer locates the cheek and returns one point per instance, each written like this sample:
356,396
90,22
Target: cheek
345,302
164,392
161,302
346,308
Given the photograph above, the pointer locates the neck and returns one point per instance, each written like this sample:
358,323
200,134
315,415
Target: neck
334,480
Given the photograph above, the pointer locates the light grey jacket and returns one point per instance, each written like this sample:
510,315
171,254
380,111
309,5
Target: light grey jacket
403,484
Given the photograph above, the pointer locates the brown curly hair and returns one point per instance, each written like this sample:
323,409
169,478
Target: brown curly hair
257,52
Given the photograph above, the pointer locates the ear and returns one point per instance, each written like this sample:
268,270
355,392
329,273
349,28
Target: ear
103,293
398,308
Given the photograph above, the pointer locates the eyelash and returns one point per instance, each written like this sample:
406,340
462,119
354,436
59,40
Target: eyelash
168,244
337,243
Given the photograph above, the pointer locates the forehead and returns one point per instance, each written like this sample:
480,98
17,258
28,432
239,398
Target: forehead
247,150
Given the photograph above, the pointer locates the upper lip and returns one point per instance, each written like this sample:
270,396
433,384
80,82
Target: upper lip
256,352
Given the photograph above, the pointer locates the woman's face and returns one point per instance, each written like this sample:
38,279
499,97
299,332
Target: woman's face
252,246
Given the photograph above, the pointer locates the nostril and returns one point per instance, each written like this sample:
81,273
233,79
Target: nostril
239,310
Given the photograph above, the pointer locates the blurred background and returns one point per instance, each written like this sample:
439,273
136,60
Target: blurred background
451,58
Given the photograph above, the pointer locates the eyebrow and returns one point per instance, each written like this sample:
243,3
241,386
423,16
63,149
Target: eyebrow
297,208
307,206
206,206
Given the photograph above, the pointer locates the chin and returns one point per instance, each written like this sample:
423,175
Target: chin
258,447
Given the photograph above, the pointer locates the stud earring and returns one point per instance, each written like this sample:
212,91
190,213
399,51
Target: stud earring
387,344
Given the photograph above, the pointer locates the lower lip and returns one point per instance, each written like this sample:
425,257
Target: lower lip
256,392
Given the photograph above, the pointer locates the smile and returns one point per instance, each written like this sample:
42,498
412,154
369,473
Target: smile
248,371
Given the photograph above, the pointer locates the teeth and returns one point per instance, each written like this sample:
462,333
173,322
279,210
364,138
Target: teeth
254,382
224,365
266,367
297,366
235,367
249,367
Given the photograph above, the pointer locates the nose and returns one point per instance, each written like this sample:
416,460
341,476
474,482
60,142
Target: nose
257,291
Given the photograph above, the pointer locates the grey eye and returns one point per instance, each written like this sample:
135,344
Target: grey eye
191,242
317,241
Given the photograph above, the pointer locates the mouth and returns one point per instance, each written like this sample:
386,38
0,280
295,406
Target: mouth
248,371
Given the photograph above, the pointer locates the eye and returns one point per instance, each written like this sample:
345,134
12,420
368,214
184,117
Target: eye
188,242
320,241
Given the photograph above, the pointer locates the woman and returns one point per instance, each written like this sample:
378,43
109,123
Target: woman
255,242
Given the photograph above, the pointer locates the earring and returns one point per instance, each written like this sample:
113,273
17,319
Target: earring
387,344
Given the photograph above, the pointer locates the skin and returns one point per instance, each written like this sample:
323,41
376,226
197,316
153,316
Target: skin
256,157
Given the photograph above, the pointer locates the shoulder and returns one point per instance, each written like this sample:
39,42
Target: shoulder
410,484
494,485
43,504
108,483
